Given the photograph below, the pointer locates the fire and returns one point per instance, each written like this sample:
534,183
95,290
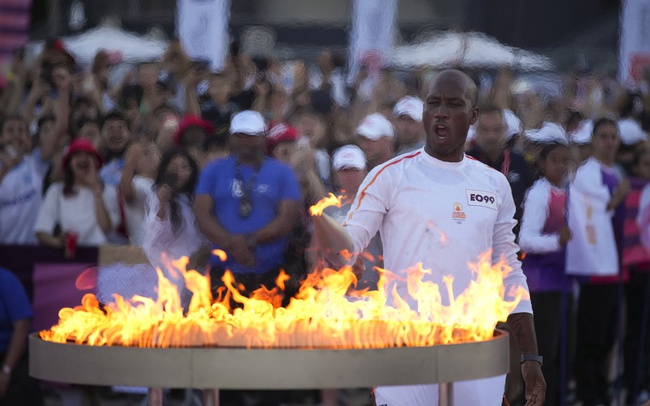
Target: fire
326,313
330,200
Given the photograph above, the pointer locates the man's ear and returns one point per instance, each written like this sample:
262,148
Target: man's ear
474,115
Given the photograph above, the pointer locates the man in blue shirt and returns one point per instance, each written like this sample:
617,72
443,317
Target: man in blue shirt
247,204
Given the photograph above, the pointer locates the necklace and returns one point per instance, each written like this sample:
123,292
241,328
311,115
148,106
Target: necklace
245,200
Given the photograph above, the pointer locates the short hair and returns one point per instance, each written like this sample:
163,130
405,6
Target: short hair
601,122
490,109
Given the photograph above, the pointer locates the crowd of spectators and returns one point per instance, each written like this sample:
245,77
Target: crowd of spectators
177,159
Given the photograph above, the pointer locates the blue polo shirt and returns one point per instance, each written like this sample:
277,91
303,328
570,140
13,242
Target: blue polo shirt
274,184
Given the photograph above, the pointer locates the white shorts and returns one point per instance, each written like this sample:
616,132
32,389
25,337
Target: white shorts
482,392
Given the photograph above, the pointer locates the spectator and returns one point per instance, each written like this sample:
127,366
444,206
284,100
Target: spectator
376,137
408,123
81,205
136,187
596,220
21,179
636,257
246,205
543,237
349,171
193,134
16,386
170,229
281,142
116,136
490,140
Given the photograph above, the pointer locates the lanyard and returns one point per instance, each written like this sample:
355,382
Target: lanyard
245,201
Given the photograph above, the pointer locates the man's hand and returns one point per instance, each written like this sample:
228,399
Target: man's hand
240,250
535,383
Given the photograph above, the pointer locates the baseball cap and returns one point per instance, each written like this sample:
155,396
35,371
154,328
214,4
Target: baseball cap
348,156
374,127
512,122
281,132
409,106
248,122
582,134
631,132
192,121
81,145
550,132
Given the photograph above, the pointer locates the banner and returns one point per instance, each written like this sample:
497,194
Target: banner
372,34
15,18
634,44
202,27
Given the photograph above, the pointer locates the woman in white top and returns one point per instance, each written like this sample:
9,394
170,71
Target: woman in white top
81,204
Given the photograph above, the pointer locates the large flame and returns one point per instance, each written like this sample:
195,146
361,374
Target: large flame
326,313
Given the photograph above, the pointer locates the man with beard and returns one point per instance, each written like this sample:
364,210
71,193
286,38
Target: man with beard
409,197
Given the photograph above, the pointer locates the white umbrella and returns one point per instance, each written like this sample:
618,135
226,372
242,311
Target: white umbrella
470,49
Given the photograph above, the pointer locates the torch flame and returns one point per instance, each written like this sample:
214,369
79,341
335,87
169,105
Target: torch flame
330,200
325,313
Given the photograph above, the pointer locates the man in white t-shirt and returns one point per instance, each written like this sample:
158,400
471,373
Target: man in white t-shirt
411,200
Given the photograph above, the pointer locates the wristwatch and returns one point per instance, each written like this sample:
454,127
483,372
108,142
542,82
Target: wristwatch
537,358
6,369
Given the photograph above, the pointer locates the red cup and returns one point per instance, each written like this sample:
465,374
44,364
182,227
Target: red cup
71,238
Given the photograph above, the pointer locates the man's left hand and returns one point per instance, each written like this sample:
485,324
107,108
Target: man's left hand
535,383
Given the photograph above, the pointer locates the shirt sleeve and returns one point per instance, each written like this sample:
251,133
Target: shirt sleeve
207,180
112,205
504,248
368,209
48,215
14,297
531,236
290,186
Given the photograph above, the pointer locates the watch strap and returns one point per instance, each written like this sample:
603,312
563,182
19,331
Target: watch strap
527,357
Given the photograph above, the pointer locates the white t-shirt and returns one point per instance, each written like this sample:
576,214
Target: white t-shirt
444,215
134,212
20,198
76,213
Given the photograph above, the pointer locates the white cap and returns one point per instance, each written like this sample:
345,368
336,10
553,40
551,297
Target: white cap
374,127
409,106
631,132
550,132
512,122
348,156
248,122
582,134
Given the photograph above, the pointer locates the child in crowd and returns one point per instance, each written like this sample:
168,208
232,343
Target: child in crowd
543,237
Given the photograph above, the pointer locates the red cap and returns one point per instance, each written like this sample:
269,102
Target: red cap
280,133
192,121
82,145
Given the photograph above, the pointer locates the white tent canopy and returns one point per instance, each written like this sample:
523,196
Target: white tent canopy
134,48
469,49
